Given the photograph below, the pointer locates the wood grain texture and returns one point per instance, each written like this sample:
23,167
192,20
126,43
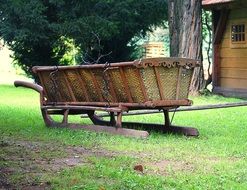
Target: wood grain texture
234,62
235,53
238,13
233,83
234,73
186,34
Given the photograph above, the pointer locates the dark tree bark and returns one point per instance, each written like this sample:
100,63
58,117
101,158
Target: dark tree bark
185,25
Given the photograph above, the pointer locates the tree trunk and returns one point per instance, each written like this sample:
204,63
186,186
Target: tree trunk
185,26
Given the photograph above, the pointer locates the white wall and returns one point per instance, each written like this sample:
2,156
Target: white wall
7,71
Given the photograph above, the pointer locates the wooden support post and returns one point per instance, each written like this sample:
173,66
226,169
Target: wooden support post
167,119
119,120
112,119
65,116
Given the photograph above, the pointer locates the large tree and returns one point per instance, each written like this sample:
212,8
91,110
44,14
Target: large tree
38,30
185,26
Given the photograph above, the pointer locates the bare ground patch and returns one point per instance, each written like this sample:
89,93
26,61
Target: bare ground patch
165,167
22,163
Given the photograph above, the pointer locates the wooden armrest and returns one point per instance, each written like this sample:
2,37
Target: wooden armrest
25,84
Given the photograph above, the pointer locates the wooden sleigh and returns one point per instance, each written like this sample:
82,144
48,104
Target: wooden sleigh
154,83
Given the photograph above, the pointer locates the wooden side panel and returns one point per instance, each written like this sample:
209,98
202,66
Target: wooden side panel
238,14
225,43
234,73
234,83
233,61
236,52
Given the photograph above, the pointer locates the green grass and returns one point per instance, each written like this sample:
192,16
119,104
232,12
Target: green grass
214,160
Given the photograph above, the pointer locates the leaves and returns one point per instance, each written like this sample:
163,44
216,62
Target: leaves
34,29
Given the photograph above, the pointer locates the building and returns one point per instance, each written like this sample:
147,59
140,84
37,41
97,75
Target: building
154,49
229,20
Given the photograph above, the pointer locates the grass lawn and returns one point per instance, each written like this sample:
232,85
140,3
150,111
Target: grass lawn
33,156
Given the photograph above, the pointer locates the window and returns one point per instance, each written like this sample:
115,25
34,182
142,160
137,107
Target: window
238,33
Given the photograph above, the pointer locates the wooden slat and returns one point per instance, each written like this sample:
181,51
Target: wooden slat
234,92
113,93
221,26
143,89
234,62
225,43
57,92
72,95
97,86
126,86
216,65
230,52
82,85
43,85
178,82
158,80
233,83
234,73
83,108
148,104
226,35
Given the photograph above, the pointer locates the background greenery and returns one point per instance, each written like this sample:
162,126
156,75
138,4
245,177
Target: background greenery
45,32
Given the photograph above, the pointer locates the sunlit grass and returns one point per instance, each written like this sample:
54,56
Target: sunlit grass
214,160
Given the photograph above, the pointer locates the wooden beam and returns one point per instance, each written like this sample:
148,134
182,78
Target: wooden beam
157,75
216,66
83,86
97,86
189,108
83,108
48,95
143,89
125,84
179,82
220,25
65,77
107,129
148,104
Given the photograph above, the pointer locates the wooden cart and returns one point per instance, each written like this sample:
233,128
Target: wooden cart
154,83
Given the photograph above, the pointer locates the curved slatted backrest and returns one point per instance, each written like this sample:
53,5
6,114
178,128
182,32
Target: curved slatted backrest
139,81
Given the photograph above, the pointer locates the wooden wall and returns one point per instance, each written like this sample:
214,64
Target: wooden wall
154,49
233,60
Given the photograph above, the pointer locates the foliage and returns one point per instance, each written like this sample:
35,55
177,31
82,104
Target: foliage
207,42
207,29
38,31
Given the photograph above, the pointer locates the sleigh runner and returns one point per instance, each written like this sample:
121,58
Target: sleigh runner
154,83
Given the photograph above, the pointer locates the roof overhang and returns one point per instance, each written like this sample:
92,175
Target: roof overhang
221,4
214,2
